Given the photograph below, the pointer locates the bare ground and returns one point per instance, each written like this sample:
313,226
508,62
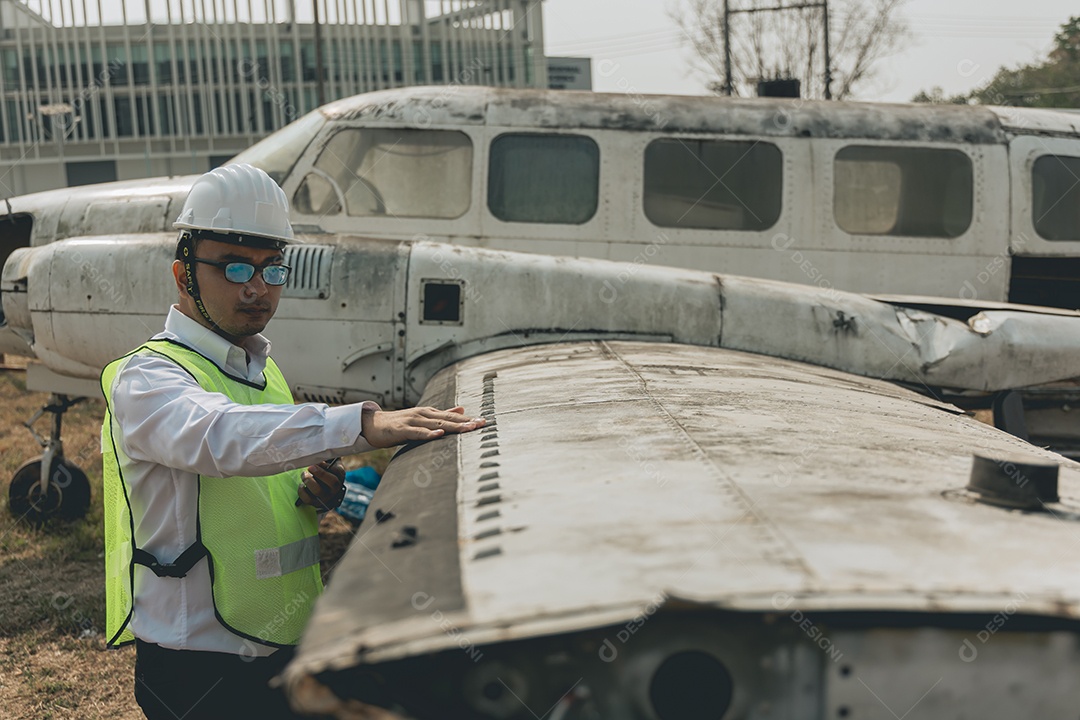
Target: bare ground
53,662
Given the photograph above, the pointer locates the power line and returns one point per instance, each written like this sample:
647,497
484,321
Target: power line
994,18
613,42
660,48
672,39
657,46
615,38
645,39
928,26
988,31
1043,91
999,35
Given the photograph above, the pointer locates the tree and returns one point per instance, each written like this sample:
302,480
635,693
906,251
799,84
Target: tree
1067,42
790,43
936,96
1052,83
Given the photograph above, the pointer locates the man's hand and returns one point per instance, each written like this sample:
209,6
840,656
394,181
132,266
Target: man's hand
383,428
323,485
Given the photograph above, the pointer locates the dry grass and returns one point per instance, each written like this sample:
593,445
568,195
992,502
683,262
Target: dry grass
52,658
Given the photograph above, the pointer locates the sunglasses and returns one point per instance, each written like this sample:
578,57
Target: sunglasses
242,272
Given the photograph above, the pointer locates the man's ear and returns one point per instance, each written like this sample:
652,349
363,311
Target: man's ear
180,277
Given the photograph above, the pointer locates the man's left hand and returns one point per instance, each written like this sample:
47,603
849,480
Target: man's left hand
323,485
383,428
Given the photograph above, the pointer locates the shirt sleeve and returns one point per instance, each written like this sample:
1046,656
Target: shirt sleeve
166,417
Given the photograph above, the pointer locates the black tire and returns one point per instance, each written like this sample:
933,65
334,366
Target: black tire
67,497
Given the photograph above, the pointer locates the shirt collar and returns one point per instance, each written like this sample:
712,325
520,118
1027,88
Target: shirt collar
246,361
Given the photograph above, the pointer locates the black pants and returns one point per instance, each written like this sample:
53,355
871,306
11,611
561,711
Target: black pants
190,685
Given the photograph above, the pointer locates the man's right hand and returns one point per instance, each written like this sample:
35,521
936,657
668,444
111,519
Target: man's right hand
322,486
383,428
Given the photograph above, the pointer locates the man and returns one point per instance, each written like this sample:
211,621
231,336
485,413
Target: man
211,532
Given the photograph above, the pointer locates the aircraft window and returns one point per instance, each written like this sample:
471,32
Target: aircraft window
277,153
1055,186
538,178
920,192
316,196
713,184
402,173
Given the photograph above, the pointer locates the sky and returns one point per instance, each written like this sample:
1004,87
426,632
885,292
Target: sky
955,44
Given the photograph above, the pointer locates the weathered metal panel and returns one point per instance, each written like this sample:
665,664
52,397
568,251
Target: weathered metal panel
428,561
1036,121
501,107
952,674
620,472
514,299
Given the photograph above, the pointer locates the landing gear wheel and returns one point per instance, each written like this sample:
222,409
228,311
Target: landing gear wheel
66,498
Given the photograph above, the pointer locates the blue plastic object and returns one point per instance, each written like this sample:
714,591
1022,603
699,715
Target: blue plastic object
360,487
366,476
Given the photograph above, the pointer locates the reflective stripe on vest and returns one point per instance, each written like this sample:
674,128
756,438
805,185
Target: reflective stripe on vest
263,552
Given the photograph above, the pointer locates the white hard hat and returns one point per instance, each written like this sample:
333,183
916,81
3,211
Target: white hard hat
237,200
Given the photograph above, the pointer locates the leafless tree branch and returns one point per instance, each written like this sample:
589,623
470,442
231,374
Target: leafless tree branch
790,43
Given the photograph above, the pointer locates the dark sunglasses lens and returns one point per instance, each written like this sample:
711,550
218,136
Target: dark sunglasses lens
275,274
239,272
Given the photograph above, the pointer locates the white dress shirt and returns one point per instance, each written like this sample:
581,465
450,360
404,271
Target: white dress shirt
173,431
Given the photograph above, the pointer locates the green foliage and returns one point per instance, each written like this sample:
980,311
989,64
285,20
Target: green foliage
1052,83
936,96
1067,41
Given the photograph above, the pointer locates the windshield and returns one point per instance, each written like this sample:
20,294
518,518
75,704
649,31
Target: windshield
277,153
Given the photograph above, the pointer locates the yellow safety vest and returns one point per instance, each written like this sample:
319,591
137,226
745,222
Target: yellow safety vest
262,551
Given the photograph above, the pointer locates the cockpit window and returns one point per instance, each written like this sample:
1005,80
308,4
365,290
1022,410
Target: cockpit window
278,153
317,195
388,171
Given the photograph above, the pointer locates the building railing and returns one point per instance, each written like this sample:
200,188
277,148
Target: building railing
77,77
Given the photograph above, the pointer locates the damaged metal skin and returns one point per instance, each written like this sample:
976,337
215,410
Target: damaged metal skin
66,302
632,506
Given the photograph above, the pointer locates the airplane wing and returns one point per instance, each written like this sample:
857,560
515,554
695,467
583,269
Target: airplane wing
642,525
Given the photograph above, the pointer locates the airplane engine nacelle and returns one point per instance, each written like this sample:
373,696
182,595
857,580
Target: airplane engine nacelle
80,303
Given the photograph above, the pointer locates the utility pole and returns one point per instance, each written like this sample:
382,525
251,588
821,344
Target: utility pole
320,92
729,89
828,60
729,84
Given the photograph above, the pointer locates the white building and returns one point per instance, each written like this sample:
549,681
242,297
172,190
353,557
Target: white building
163,87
